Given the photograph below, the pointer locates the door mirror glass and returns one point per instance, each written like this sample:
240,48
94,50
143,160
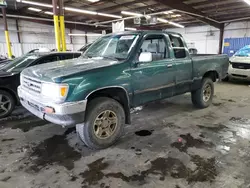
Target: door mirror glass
145,57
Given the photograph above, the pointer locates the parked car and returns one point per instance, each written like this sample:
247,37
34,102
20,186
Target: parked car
118,71
240,64
84,48
10,76
4,62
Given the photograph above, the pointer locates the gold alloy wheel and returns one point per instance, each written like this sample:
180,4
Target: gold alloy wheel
105,124
207,92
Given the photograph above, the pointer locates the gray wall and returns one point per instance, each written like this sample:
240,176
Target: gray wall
35,35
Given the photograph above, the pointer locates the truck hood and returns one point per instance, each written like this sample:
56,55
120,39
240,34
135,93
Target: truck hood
7,74
51,72
237,59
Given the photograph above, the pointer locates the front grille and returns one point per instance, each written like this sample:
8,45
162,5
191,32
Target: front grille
31,84
241,65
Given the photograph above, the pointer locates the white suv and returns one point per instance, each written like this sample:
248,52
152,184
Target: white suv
239,67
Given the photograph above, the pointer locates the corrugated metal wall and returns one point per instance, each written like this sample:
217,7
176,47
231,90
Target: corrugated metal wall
20,49
36,35
16,49
232,45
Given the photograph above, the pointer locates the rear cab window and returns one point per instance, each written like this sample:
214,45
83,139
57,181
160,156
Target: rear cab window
48,59
178,46
69,56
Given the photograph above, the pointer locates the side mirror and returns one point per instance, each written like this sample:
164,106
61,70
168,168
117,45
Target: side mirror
145,57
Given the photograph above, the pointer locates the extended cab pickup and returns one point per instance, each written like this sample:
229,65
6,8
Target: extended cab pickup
117,72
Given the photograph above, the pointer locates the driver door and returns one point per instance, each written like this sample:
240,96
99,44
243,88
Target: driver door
155,79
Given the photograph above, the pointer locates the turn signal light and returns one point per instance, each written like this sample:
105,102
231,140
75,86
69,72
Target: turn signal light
63,91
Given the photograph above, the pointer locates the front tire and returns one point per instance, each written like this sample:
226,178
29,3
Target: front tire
203,97
7,104
104,123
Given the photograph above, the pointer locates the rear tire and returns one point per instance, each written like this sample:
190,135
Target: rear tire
203,97
7,104
104,123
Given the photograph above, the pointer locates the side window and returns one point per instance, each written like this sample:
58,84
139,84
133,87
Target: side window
49,59
70,56
156,44
178,46
66,56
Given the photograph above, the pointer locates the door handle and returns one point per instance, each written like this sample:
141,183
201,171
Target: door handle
170,65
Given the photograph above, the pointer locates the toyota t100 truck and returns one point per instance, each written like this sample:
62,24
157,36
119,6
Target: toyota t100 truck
118,71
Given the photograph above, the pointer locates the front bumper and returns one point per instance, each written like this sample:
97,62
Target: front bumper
65,114
242,74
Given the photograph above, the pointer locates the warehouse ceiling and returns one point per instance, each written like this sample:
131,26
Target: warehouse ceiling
183,12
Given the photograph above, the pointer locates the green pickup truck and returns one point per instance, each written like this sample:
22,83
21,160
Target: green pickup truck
118,72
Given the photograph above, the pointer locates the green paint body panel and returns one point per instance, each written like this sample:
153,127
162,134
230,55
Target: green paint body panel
143,82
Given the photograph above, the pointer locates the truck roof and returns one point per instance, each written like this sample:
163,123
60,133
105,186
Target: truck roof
146,32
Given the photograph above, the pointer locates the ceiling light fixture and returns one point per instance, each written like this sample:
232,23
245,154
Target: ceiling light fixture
169,12
34,9
93,1
49,13
175,15
162,20
80,10
70,9
35,3
130,28
169,22
131,13
176,24
247,1
108,15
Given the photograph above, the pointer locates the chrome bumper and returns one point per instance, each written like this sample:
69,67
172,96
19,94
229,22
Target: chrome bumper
65,114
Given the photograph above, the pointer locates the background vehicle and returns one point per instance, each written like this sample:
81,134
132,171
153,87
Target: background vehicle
84,48
240,64
117,72
10,76
39,50
3,60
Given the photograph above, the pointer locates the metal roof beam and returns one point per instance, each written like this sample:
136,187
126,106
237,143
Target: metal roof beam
182,7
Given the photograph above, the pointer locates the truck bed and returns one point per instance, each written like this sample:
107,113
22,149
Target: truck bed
203,63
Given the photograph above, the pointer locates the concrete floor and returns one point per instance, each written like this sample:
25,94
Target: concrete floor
170,144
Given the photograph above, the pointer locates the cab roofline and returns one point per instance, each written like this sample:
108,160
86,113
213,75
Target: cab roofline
144,32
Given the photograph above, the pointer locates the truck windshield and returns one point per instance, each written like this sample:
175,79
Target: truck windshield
243,52
115,46
18,64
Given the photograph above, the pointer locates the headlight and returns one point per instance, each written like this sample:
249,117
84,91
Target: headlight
57,92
